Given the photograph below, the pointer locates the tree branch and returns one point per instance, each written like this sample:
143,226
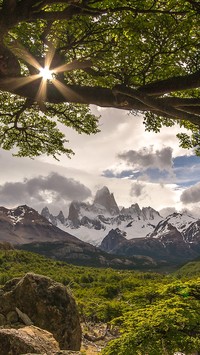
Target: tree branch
161,87
157,105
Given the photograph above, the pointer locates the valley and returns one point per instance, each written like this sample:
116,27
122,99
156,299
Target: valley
127,282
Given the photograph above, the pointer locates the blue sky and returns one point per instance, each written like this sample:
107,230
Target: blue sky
187,170
184,171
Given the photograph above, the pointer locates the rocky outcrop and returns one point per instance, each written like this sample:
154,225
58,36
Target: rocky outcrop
27,339
61,217
43,302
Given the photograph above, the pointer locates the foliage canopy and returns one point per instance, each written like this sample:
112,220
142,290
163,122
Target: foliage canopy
133,55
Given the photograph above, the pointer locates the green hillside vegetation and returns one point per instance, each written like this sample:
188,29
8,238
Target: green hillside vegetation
155,314
190,269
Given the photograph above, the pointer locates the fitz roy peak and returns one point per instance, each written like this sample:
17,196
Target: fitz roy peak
92,222
106,199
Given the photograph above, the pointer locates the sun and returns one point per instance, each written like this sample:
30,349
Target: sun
46,73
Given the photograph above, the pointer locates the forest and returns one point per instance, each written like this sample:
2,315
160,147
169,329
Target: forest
149,313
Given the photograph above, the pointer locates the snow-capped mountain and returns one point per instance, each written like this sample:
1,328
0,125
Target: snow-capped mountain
23,224
92,222
181,221
175,239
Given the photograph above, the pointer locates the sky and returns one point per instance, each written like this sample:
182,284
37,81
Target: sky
137,166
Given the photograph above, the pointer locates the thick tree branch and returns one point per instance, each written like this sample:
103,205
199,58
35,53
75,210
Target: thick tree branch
158,105
179,83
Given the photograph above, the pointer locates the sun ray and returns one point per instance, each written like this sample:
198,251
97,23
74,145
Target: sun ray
42,91
69,94
75,64
21,52
15,83
45,73
49,57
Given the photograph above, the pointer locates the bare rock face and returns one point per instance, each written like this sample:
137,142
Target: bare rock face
27,339
46,304
106,199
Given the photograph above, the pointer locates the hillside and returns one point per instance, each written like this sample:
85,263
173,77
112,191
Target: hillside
189,270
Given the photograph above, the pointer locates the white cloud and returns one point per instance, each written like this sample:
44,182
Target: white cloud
148,158
191,195
164,212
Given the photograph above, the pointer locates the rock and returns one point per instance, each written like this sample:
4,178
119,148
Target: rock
47,304
12,317
2,320
23,316
114,238
27,339
73,216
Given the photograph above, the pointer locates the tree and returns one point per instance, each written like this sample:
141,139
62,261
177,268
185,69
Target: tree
133,55
169,324
164,328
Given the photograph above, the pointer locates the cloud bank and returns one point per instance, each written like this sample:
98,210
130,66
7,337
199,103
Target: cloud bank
146,158
53,188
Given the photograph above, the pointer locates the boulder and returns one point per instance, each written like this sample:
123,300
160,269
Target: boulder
47,305
27,339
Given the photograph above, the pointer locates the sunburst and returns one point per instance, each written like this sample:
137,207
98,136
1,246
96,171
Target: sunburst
47,75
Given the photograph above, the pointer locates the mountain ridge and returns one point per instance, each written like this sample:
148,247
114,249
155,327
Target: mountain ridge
123,235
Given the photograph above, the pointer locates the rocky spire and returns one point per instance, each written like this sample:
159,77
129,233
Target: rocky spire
74,213
106,199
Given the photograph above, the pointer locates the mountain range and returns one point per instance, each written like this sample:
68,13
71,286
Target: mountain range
24,228
119,237
131,231
92,222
